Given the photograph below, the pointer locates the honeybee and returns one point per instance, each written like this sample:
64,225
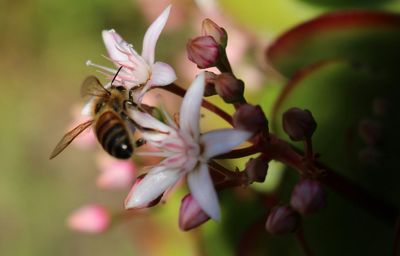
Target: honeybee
112,126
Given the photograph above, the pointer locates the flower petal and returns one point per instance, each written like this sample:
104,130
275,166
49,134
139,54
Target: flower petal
162,74
147,121
222,141
152,34
111,40
152,186
189,116
202,189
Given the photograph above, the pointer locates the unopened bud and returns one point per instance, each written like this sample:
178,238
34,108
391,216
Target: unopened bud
92,219
308,197
210,84
256,169
229,88
370,131
210,28
250,118
282,220
299,124
203,51
190,214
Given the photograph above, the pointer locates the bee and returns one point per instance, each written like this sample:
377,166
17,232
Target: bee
112,126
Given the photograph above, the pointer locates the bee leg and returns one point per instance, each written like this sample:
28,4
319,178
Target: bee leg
140,142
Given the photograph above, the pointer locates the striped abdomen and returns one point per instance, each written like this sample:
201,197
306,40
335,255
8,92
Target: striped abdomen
113,135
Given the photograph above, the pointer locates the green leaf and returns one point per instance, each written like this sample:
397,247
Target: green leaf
368,37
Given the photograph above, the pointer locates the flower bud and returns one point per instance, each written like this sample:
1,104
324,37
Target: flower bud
370,131
229,88
299,124
256,169
203,51
250,118
282,220
190,214
90,219
210,28
308,197
210,84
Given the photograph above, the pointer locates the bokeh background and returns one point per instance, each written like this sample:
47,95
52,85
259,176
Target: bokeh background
44,45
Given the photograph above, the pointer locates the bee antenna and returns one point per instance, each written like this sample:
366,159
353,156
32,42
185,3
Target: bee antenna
116,74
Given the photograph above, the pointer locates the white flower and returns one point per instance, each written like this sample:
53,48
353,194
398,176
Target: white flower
186,152
138,69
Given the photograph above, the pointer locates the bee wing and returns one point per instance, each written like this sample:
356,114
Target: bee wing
69,137
91,86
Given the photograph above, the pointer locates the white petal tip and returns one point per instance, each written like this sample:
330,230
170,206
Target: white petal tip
89,63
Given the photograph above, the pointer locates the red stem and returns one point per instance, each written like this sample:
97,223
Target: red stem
305,247
282,151
239,153
175,89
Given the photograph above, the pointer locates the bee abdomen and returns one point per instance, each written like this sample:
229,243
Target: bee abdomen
113,135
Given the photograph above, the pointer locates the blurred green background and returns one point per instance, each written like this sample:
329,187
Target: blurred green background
43,49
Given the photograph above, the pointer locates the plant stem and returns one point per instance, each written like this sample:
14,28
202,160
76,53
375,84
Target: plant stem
282,151
177,90
239,153
305,247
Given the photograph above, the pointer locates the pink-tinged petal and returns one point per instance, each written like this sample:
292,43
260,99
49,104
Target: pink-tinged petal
202,189
151,187
189,117
89,219
152,34
112,40
147,121
162,74
222,141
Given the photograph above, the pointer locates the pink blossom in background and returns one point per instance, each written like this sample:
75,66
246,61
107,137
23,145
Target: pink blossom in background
87,138
114,173
91,218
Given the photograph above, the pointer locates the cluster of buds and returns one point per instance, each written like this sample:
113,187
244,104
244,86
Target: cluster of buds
308,197
209,50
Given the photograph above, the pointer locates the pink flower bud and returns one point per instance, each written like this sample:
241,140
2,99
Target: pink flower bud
308,197
229,88
89,219
256,169
190,214
250,118
370,131
203,51
299,124
282,220
210,28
